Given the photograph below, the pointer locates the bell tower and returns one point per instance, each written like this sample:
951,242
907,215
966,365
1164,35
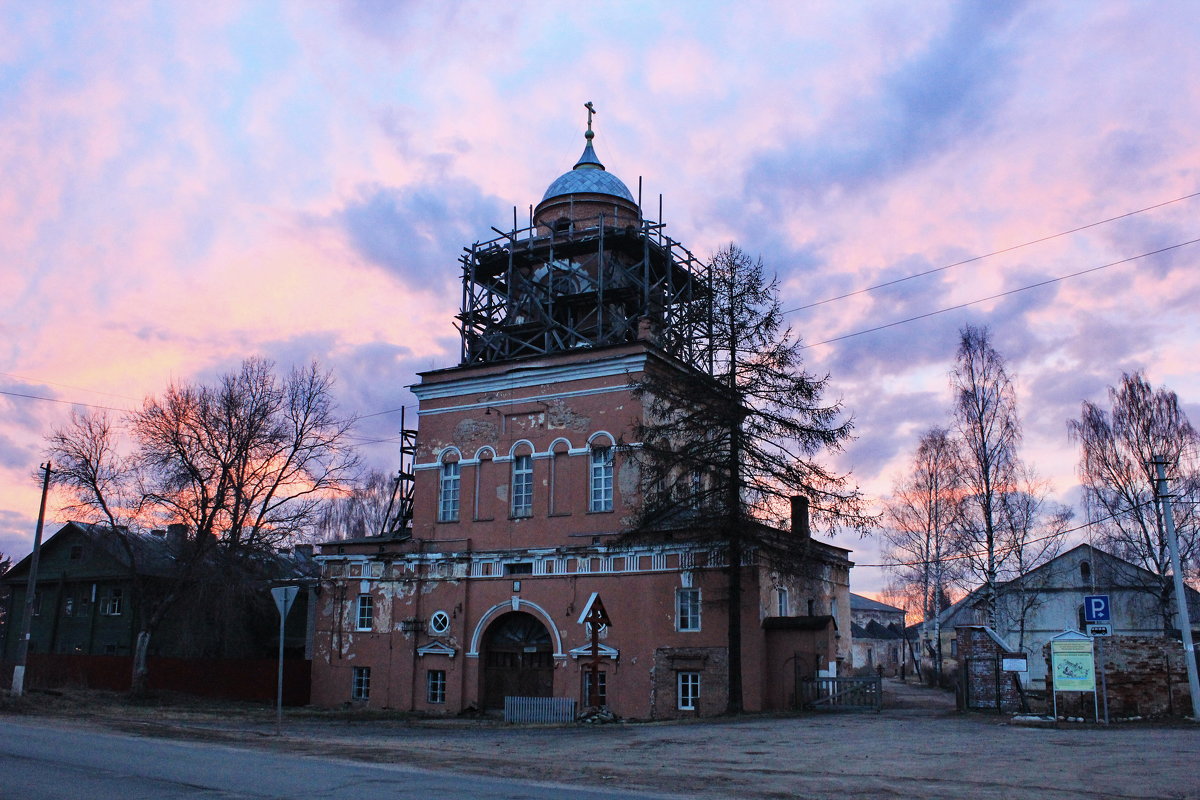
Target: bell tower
589,270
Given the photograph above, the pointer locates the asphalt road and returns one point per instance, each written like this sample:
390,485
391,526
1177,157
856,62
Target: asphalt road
41,761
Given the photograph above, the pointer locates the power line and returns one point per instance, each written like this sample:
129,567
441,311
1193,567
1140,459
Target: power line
69,386
979,554
988,255
996,296
354,439
64,402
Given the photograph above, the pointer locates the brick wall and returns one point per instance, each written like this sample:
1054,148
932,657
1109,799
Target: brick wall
712,663
1144,676
979,658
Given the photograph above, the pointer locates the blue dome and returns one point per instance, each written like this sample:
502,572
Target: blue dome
590,181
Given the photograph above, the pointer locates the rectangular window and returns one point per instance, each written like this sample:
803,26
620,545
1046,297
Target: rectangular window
522,486
448,496
601,685
110,606
602,479
689,690
435,685
361,690
783,602
366,612
687,609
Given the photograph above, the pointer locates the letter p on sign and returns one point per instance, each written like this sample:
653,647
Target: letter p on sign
1096,608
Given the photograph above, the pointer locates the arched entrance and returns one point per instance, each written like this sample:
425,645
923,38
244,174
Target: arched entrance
518,659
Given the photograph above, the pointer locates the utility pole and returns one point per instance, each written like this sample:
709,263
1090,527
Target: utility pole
18,680
1163,495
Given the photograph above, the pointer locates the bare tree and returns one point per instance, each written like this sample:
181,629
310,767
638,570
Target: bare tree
722,450
1033,529
919,519
243,465
1117,451
363,511
988,432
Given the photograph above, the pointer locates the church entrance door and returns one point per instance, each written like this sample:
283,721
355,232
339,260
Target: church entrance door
518,659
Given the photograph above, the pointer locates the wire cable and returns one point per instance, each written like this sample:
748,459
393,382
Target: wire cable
1003,550
997,296
988,255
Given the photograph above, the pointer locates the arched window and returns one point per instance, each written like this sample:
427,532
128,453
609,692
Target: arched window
602,478
1085,571
449,490
522,485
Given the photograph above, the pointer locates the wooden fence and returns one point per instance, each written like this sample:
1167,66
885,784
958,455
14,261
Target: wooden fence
231,679
840,694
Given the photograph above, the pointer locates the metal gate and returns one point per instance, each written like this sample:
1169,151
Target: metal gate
840,694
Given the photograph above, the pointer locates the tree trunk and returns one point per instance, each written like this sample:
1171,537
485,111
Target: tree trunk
734,705
137,685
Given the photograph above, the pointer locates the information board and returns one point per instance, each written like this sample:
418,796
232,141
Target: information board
1074,665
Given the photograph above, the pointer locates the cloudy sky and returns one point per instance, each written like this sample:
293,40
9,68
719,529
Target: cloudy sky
186,184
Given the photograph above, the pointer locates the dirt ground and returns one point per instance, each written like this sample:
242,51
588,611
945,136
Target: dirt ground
917,747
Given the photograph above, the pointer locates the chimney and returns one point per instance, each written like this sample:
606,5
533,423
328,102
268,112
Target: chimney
177,533
800,517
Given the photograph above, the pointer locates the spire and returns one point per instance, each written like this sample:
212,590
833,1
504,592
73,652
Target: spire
589,160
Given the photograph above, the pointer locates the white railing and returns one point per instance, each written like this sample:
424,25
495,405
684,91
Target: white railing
525,710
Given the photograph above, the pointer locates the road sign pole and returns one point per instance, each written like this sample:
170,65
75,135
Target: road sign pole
1185,624
279,684
284,596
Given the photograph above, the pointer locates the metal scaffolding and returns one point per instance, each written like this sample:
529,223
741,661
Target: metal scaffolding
587,283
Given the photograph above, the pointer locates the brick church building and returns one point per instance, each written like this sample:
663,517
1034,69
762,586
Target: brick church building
522,487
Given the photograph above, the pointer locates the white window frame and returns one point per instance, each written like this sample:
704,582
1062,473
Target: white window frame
435,686
439,623
687,610
587,686
360,686
111,607
522,486
601,496
449,491
364,609
781,601
687,690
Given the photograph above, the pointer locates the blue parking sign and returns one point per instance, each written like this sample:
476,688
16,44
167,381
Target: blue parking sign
1096,608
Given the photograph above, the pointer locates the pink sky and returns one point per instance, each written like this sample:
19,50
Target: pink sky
190,184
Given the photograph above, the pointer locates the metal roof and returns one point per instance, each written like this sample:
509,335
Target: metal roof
584,180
